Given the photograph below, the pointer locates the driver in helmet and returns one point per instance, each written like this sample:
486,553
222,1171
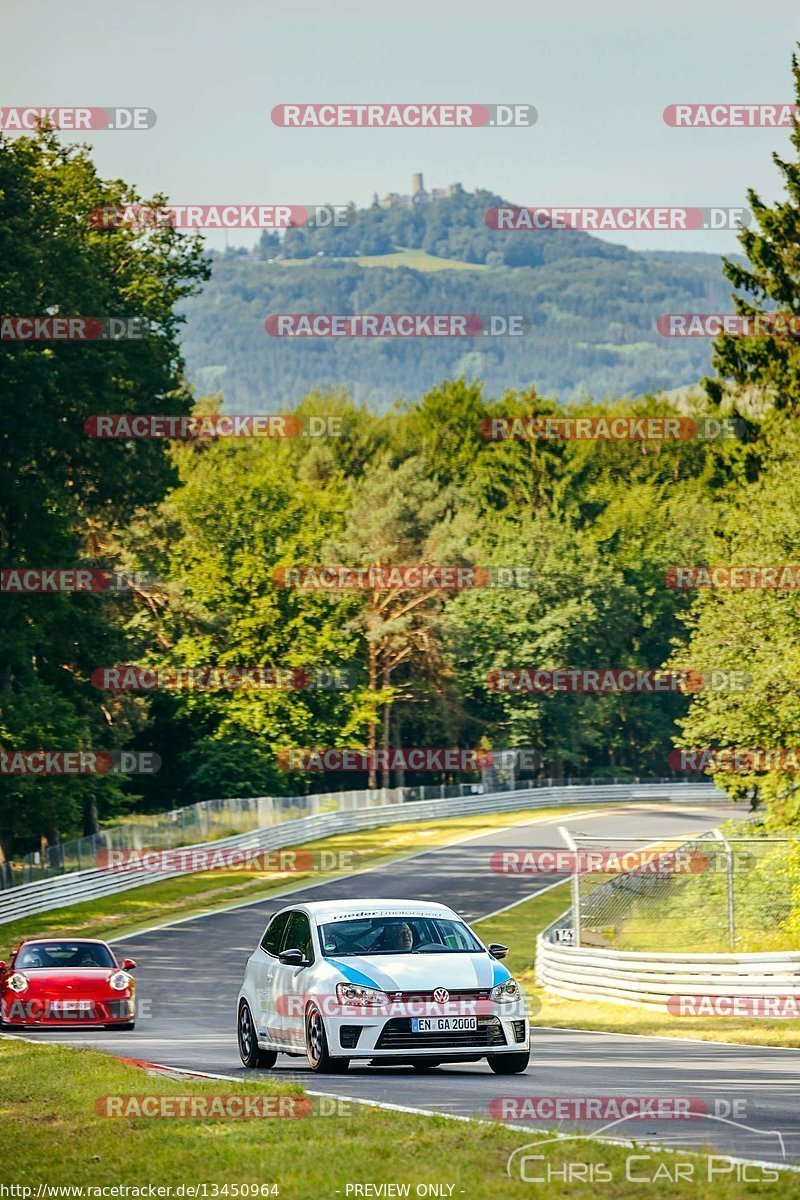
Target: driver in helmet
32,957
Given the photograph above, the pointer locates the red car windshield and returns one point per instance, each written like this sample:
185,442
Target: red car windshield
63,954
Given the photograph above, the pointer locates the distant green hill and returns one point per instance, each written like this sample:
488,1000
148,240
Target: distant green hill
592,308
448,228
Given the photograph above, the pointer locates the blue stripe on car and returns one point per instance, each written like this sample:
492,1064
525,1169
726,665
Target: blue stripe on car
354,976
500,974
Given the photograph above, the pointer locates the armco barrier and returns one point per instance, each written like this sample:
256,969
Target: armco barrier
648,980
80,886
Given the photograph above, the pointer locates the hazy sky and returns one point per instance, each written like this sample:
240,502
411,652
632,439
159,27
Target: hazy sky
599,75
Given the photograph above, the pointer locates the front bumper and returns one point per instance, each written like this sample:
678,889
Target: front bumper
363,1036
84,1013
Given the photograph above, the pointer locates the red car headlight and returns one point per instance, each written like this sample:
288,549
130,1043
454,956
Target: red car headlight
119,981
18,983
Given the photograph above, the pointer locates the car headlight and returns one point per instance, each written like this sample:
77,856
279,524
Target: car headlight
352,993
18,983
506,993
119,981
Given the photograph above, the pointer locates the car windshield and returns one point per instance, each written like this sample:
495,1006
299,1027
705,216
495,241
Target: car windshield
64,954
397,935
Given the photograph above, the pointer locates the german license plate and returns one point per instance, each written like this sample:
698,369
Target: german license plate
70,1008
442,1024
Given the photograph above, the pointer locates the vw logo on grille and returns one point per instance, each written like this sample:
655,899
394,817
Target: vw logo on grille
441,995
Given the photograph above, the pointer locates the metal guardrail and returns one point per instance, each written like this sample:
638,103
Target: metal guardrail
649,980
81,886
205,821
210,820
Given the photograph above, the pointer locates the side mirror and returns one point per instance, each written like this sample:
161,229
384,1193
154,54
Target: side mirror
293,958
129,964
498,950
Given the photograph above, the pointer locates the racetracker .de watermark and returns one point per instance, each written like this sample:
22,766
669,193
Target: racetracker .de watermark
625,679
738,759
196,858
69,1012
79,762
37,581
225,1106
711,325
442,758
419,577
222,216
549,861
781,577
612,1108
23,120
74,329
763,1008
403,116
609,429
731,116
402,1004
213,679
395,325
188,428
627,219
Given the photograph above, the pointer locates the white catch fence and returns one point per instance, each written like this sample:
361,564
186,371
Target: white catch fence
80,886
684,983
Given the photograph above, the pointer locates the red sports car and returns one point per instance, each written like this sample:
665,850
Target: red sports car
67,981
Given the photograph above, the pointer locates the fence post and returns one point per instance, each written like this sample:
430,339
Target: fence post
576,890
715,833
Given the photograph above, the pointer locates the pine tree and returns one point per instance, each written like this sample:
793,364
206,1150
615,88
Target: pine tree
767,364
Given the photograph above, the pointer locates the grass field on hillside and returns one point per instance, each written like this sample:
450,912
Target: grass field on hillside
415,260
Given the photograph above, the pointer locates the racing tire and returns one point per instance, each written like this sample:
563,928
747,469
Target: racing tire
510,1064
319,1059
124,1025
424,1064
249,1052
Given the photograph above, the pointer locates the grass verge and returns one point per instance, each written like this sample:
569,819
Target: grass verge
51,1134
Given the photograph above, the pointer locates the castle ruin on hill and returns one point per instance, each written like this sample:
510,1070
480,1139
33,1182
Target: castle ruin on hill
418,194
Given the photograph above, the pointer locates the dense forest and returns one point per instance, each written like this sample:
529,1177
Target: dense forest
208,527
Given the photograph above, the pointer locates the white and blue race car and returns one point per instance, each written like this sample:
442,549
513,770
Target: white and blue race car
391,981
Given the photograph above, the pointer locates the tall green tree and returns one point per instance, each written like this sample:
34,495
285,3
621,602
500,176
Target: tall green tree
753,631
242,512
767,365
62,493
398,518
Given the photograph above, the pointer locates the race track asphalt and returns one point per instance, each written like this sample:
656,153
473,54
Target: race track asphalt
189,975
